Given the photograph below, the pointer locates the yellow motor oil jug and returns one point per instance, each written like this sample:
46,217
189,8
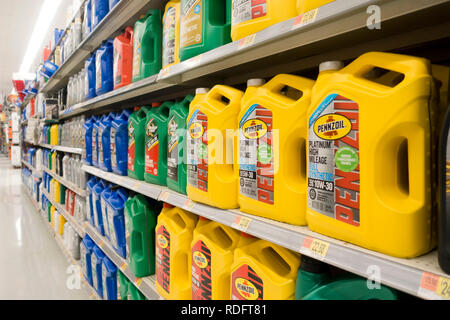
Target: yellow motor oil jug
249,16
441,74
211,149
272,149
213,247
52,219
54,132
171,34
54,161
60,227
52,189
57,192
369,155
263,271
173,253
308,5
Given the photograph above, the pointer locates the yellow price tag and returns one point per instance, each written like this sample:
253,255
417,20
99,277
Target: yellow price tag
101,243
443,287
306,18
316,247
189,205
123,267
241,223
164,196
138,282
136,186
247,41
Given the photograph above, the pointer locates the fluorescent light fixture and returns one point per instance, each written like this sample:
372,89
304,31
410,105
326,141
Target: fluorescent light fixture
46,15
24,76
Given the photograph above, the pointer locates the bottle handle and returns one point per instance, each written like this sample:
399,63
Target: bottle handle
129,33
222,91
280,81
286,256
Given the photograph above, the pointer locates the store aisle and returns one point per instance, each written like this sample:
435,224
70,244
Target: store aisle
32,265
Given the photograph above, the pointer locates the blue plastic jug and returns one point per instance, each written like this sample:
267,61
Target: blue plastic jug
87,245
103,222
104,135
119,143
97,148
89,84
100,9
97,204
87,18
109,276
87,141
97,262
112,4
116,221
104,75
90,199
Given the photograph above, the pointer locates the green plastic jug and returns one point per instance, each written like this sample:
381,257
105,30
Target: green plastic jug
134,293
49,212
176,145
136,143
315,282
122,286
204,25
156,143
147,45
140,222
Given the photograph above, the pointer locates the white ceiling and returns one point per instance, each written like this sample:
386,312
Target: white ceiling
17,20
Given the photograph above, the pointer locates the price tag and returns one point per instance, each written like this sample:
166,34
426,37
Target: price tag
315,247
304,19
164,196
189,205
136,186
138,282
241,223
246,42
434,287
123,267
101,244
443,288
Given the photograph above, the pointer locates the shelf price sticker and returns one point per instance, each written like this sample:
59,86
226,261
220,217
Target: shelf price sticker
189,205
164,196
246,42
138,282
304,19
314,247
434,287
123,267
241,223
101,244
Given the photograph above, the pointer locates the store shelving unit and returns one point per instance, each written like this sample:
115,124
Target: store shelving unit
32,169
66,183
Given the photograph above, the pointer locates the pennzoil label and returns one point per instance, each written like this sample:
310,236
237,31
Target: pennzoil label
172,150
256,158
201,272
151,148
334,171
169,30
112,135
197,151
131,147
191,27
245,10
246,284
163,258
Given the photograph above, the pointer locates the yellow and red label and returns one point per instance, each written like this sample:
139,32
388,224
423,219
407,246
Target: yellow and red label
197,151
201,272
246,284
163,258
151,148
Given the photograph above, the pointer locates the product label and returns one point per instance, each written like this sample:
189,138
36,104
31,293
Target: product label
94,145
136,57
127,235
191,27
256,157
98,73
169,36
246,284
83,260
117,67
100,146
131,147
201,272
172,150
105,295
95,210
151,148
94,270
334,173
112,135
245,10
89,204
83,144
163,258
105,215
86,83
112,230
119,294
197,151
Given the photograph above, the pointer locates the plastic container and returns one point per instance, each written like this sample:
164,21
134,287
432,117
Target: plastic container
171,34
308,5
87,21
109,277
90,82
176,145
211,170
97,261
204,25
212,241
105,209
136,143
263,271
116,221
375,140
134,293
119,143
122,286
272,169
86,247
173,253
97,206
112,4
54,133
156,143
104,135
97,147
100,9
147,45
140,222
249,17
104,62
123,59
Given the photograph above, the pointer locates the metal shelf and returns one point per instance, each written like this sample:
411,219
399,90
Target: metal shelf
146,285
407,275
36,173
66,183
61,148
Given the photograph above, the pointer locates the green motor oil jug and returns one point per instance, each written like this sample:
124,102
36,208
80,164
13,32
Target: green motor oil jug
147,45
136,143
134,293
122,286
204,25
156,143
176,145
315,282
140,222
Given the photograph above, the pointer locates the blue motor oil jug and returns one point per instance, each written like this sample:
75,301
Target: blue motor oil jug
112,4
103,222
105,136
104,60
87,245
119,143
89,85
109,276
96,203
90,199
100,9
97,148
87,18
97,261
88,140
116,221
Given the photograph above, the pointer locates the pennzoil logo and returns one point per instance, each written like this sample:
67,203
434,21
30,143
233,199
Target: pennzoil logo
162,241
196,130
200,259
332,127
254,129
246,289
